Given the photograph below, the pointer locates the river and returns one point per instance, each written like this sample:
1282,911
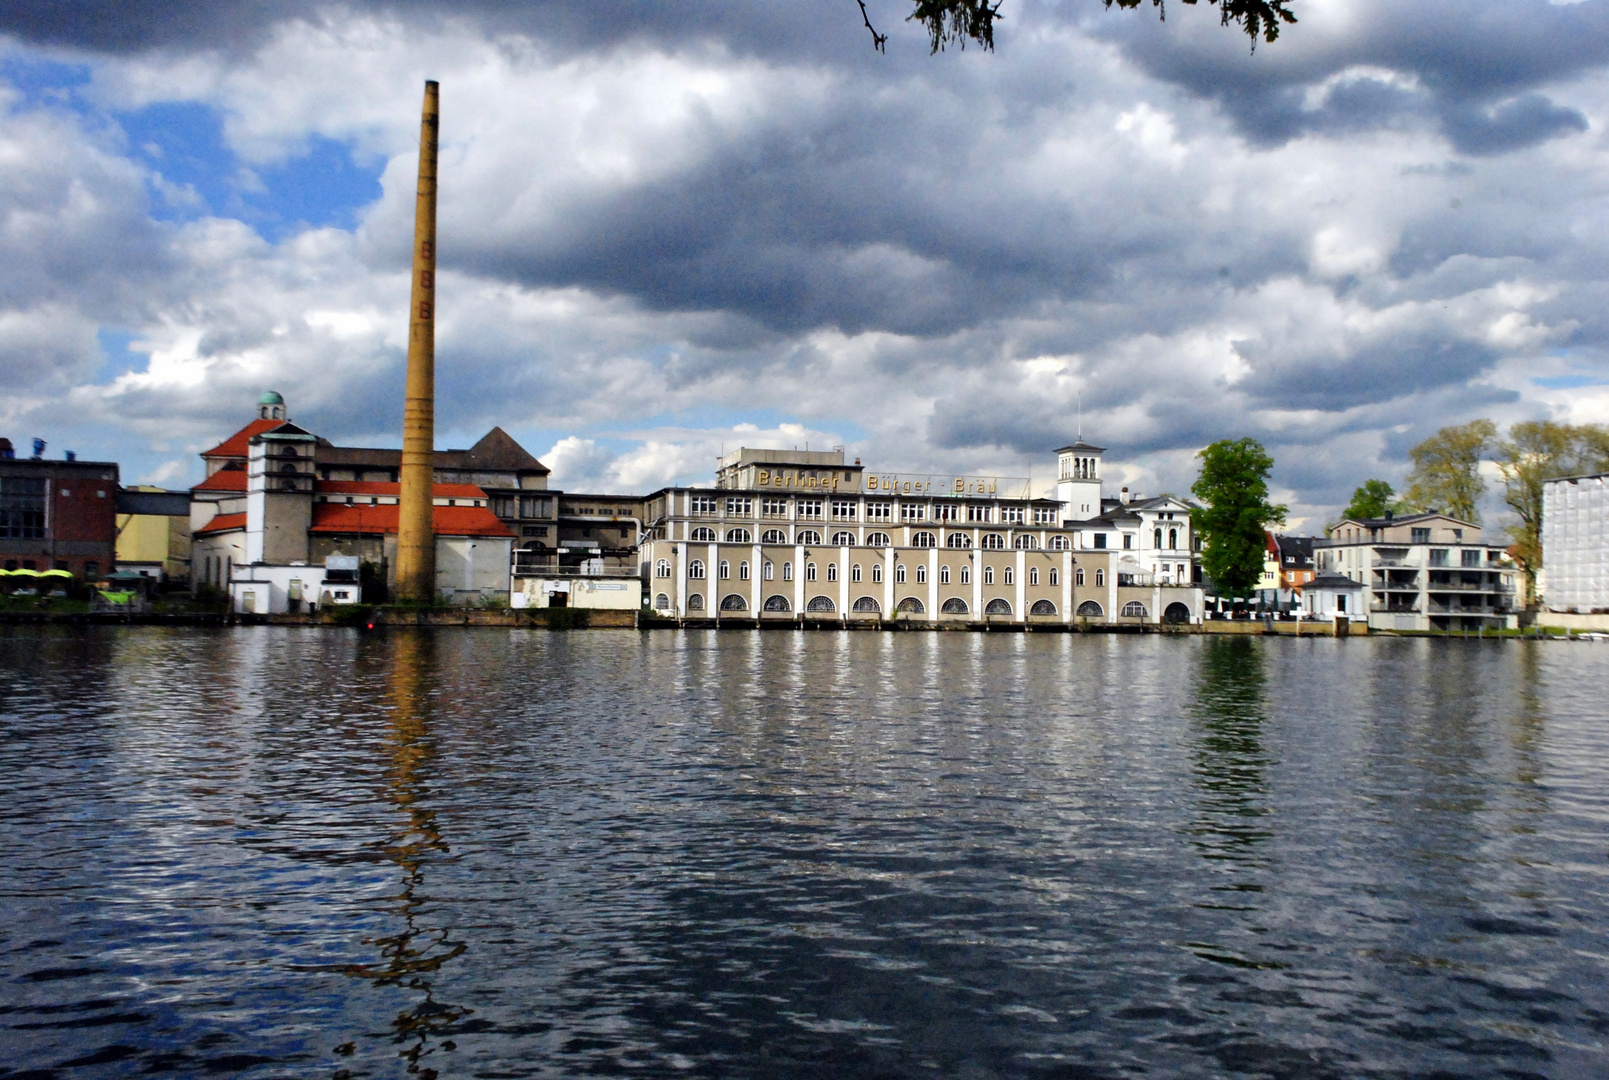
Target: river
278,852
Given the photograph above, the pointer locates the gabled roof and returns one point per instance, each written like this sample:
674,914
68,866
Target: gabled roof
223,480
223,523
449,520
286,429
1386,523
498,450
235,445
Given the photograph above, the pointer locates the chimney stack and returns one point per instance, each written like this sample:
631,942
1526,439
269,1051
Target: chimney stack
416,535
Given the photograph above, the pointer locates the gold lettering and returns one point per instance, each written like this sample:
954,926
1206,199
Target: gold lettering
812,482
960,486
765,476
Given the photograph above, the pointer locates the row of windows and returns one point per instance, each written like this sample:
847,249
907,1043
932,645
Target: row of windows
1089,609
703,534
849,510
696,569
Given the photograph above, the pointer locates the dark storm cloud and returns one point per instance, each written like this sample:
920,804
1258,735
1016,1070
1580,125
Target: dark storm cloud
1476,69
1366,374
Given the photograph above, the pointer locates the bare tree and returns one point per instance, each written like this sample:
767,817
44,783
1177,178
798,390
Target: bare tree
955,22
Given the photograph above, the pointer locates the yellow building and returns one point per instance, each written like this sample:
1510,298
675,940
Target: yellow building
153,532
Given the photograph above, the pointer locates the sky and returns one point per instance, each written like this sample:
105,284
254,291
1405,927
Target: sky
669,229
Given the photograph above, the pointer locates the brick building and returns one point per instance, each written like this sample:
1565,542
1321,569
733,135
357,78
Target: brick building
57,514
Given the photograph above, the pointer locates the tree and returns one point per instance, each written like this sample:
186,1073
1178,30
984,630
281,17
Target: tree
1234,526
1446,471
955,22
1534,452
1372,500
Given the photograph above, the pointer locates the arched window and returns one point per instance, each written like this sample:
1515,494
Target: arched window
724,569
702,535
808,536
912,605
899,573
958,540
944,575
988,575
768,570
1055,576
737,536
787,571
287,451
1078,577
695,602
921,573
773,536
1176,613
1042,607
734,602
821,603
777,602
992,542
695,568
878,540
1026,542
1100,578
810,571
662,602
832,571
743,571
1158,538
966,575
1033,575
662,568
997,606
843,539
1134,610
1059,543
924,540
1009,575
954,606
1173,539
877,573
1089,609
867,603
854,572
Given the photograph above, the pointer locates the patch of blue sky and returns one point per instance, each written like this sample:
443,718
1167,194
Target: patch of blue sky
43,82
325,186
116,356
1568,382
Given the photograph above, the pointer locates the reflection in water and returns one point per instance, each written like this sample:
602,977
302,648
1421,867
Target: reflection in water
1230,762
418,949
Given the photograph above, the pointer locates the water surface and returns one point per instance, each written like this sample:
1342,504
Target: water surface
284,852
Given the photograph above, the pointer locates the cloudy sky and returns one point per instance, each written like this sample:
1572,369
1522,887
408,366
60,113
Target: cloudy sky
673,227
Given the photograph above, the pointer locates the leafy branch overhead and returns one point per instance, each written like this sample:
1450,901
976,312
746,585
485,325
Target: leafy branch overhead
955,22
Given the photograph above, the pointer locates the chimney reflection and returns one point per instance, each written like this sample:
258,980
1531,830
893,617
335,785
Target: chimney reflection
418,949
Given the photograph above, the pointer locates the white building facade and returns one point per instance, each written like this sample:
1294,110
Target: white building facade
1575,544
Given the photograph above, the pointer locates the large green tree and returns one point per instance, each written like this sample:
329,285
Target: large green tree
1371,500
1446,475
1233,483
1534,452
955,22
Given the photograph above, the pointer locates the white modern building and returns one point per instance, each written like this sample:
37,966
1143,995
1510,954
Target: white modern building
1575,545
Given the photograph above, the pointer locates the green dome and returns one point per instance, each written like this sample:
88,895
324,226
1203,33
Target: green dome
270,398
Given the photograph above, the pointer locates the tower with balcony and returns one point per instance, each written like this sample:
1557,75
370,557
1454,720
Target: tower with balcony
1078,480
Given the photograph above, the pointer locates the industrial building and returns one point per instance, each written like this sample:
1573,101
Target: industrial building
1575,550
57,514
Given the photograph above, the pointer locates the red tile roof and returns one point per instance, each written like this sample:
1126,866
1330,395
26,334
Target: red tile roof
223,480
378,487
449,520
235,445
223,523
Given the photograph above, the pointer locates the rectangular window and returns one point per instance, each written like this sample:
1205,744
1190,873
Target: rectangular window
1044,515
534,530
809,509
1421,536
1128,540
1438,556
1100,540
1013,515
913,511
739,507
536,506
879,511
980,512
843,510
22,508
701,505
774,507
1471,558
946,512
